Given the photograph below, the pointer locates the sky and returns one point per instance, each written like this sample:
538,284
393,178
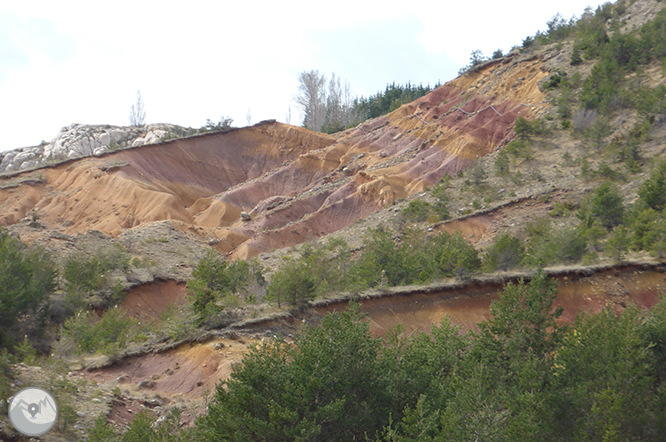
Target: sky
83,62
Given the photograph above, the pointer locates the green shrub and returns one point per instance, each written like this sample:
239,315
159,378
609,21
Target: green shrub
502,164
618,244
6,377
506,252
419,210
27,276
108,334
88,273
292,284
607,205
653,191
215,279
550,245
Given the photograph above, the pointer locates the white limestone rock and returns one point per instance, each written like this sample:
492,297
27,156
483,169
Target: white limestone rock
104,138
77,140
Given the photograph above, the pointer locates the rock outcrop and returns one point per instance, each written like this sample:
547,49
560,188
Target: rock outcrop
79,141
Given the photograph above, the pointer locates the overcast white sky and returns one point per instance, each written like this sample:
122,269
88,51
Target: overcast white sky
64,62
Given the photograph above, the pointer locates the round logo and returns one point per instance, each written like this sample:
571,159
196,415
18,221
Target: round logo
33,411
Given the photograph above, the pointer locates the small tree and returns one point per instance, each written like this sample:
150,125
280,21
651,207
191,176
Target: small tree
478,174
653,191
502,164
138,114
209,280
293,284
607,205
618,243
523,128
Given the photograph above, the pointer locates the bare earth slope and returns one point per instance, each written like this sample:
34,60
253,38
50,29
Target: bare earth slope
295,184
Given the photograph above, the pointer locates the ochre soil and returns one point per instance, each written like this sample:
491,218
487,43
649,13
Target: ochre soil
296,184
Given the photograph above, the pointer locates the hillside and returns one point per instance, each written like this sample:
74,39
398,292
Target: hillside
294,184
193,247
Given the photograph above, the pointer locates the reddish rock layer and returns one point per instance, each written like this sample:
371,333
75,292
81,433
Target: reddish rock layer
295,184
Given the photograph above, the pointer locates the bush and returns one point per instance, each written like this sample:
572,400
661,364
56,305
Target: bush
417,259
84,273
607,205
26,278
215,279
337,390
292,284
618,244
419,211
552,246
108,334
653,191
506,252
525,129
502,164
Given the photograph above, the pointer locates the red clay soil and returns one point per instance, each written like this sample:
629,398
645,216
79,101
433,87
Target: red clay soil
328,182
187,371
190,370
469,305
151,300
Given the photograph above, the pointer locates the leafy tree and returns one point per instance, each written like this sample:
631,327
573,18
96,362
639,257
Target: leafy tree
26,278
209,280
223,125
419,210
455,255
549,245
102,431
106,334
85,273
476,58
523,323
390,99
576,58
478,174
603,379
643,227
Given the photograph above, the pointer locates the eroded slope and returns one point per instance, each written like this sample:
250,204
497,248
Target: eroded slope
294,184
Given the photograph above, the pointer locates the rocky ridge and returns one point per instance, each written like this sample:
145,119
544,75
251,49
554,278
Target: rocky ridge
81,140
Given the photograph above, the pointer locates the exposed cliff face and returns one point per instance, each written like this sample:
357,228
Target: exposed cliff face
294,184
